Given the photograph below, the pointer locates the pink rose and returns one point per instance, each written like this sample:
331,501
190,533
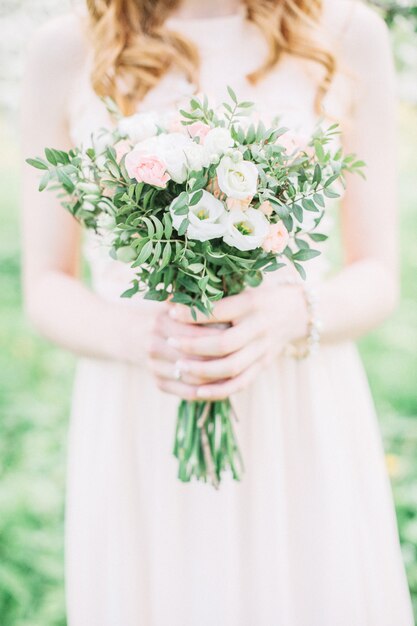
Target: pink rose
238,205
122,148
213,187
294,142
198,130
277,238
266,208
175,125
146,168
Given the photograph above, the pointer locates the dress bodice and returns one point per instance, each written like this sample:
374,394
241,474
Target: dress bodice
230,48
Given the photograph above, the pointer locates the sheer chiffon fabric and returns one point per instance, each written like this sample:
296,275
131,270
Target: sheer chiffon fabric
308,538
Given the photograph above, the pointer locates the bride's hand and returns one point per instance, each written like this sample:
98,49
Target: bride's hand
202,362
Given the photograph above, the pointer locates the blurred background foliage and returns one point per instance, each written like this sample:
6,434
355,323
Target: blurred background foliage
36,377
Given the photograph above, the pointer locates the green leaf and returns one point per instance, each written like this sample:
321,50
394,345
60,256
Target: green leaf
298,212
126,254
319,151
232,94
181,298
149,226
202,283
331,180
196,268
159,228
38,163
195,198
65,180
181,210
156,253
180,202
309,205
132,291
156,294
188,116
113,169
318,237
318,199
272,267
167,225
50,156
183,226
300,269
317,175
305,255
166,255
44,181
138,191
329,193
145,253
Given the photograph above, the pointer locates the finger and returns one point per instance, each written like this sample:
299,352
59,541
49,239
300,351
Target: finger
160,348
224,342
220,391
177,388
229,309
172,371
228,367
168,327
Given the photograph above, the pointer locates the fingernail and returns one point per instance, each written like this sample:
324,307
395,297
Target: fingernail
174,343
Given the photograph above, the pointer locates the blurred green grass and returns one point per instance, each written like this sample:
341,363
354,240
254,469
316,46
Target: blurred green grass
35,388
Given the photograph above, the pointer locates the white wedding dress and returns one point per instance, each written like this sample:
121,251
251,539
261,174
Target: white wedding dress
309,537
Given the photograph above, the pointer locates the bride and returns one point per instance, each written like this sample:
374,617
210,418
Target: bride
308,538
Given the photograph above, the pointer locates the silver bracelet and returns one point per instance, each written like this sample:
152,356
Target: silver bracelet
302,348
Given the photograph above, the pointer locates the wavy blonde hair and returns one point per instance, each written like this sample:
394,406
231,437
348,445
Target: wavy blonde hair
133,48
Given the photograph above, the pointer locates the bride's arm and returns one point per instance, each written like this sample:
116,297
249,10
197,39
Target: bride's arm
362,294
366,291
58,304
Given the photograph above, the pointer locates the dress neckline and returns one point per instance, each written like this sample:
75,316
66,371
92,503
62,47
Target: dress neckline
219,22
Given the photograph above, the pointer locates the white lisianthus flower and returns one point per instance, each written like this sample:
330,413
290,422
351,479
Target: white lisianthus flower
245,230
139,126
237,180
217,141
205,217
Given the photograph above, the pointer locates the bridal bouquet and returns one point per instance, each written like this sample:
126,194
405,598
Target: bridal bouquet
201,205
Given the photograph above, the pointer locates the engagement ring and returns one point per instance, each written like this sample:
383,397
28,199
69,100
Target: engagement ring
177,372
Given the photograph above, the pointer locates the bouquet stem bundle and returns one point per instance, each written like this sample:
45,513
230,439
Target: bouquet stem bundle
205,442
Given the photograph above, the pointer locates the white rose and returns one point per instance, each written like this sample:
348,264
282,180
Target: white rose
237,180
173,153
205,217
169,148
217,141
195,156
139,126
245,230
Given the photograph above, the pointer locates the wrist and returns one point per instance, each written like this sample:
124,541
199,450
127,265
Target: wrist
297,318
128,331
304,327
